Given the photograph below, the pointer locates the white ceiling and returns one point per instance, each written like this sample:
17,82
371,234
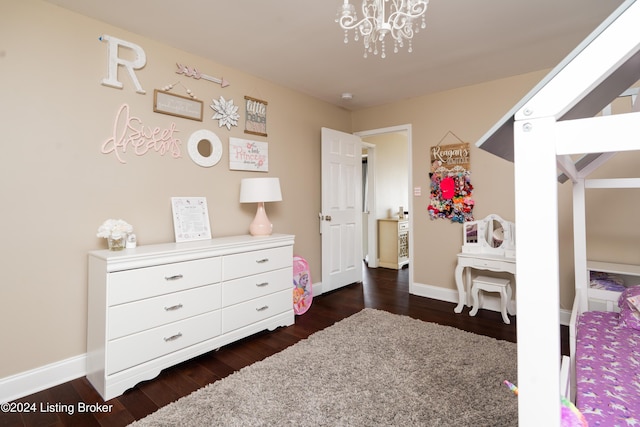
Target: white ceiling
297,44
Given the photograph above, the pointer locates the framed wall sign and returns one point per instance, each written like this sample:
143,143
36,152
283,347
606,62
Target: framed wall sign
248,155
190,218
256,116
176,105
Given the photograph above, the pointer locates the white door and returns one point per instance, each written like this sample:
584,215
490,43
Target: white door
341,216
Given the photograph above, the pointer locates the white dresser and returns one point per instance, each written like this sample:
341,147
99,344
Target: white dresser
158,305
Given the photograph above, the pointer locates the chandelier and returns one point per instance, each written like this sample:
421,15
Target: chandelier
383,19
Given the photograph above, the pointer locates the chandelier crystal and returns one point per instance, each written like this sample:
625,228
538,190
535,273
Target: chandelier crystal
383,19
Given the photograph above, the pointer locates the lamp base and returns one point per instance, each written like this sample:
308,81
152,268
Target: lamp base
261,226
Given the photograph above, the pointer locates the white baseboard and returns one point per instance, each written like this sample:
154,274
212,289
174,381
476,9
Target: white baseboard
451,295
38,379
316,288
434,292
44,377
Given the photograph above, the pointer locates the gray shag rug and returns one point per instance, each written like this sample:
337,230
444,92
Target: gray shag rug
371,369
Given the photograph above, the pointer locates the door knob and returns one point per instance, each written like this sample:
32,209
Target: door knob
328,217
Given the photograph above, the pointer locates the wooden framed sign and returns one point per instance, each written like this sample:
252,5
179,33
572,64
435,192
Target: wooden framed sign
452,155
256,116
176,105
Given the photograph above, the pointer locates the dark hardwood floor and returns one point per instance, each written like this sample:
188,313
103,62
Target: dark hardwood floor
382,289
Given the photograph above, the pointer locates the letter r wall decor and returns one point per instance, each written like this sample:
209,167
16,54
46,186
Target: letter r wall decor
115,61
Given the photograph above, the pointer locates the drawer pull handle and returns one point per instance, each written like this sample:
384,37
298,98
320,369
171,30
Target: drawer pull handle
263,308
175,277
173,307
173,337
262,285
262,261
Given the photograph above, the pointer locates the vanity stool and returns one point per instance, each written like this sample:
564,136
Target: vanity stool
491,284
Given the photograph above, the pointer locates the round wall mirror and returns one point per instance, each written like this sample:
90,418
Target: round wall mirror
205,148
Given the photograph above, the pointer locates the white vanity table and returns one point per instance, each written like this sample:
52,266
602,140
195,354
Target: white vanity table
158,305
488,244
466,262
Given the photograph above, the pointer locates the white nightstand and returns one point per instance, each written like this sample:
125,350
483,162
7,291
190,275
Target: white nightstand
393,243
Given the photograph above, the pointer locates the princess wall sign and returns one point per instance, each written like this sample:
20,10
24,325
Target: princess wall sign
248,155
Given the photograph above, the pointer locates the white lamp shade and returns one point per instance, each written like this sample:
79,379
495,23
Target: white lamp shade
254,190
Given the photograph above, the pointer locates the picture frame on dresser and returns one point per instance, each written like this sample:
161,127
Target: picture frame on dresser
190,218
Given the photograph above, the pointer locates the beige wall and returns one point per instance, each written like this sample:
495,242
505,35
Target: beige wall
57,187
469,112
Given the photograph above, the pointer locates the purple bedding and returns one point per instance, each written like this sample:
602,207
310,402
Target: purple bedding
607,370
606,281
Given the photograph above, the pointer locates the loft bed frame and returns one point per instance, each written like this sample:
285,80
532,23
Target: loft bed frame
543,134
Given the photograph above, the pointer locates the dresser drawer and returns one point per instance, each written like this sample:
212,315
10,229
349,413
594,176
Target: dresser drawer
249,312
138,348
255,286
137,316
132,285
254,262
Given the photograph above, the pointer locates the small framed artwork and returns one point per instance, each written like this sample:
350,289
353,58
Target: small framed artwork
246,155
190,218
256,116
176,105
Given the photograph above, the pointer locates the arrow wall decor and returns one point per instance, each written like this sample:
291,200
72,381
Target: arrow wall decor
193,72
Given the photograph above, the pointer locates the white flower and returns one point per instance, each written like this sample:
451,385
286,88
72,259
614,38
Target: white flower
226,113
114,227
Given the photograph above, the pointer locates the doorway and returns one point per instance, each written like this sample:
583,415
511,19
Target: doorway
388,185
369,240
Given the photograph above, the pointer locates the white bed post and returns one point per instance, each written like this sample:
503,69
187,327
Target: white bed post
580,268
537,272
580,239
605,64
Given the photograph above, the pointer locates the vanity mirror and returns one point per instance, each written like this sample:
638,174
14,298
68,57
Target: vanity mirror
491,235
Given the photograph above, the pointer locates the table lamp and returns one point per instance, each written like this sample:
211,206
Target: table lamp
260,190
